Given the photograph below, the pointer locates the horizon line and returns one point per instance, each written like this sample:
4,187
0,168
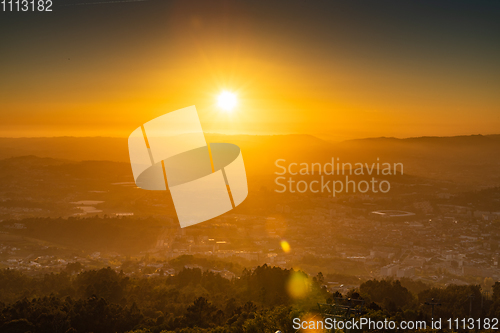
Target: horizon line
262,135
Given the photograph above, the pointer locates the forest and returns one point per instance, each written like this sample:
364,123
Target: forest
264,299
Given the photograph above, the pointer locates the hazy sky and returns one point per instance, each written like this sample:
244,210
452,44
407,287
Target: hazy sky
334,69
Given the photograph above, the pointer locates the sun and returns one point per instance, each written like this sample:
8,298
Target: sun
227,100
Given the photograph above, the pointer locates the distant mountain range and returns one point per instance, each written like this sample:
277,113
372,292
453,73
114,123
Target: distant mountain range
472,160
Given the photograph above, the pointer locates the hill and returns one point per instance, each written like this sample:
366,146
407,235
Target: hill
469,160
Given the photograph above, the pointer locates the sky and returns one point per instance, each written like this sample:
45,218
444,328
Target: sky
334,69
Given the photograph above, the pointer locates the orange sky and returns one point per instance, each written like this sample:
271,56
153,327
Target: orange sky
337,73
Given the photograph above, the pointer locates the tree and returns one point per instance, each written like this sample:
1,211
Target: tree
200,313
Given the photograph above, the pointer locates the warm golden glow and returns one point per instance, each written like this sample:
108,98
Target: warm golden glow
279,85
227,101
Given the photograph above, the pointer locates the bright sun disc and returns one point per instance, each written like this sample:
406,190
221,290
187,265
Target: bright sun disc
227,100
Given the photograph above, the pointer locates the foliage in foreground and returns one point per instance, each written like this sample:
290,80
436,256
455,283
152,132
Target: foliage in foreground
194,301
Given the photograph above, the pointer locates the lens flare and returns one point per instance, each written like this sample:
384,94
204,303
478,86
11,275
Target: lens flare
285,246
298,285
312,323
